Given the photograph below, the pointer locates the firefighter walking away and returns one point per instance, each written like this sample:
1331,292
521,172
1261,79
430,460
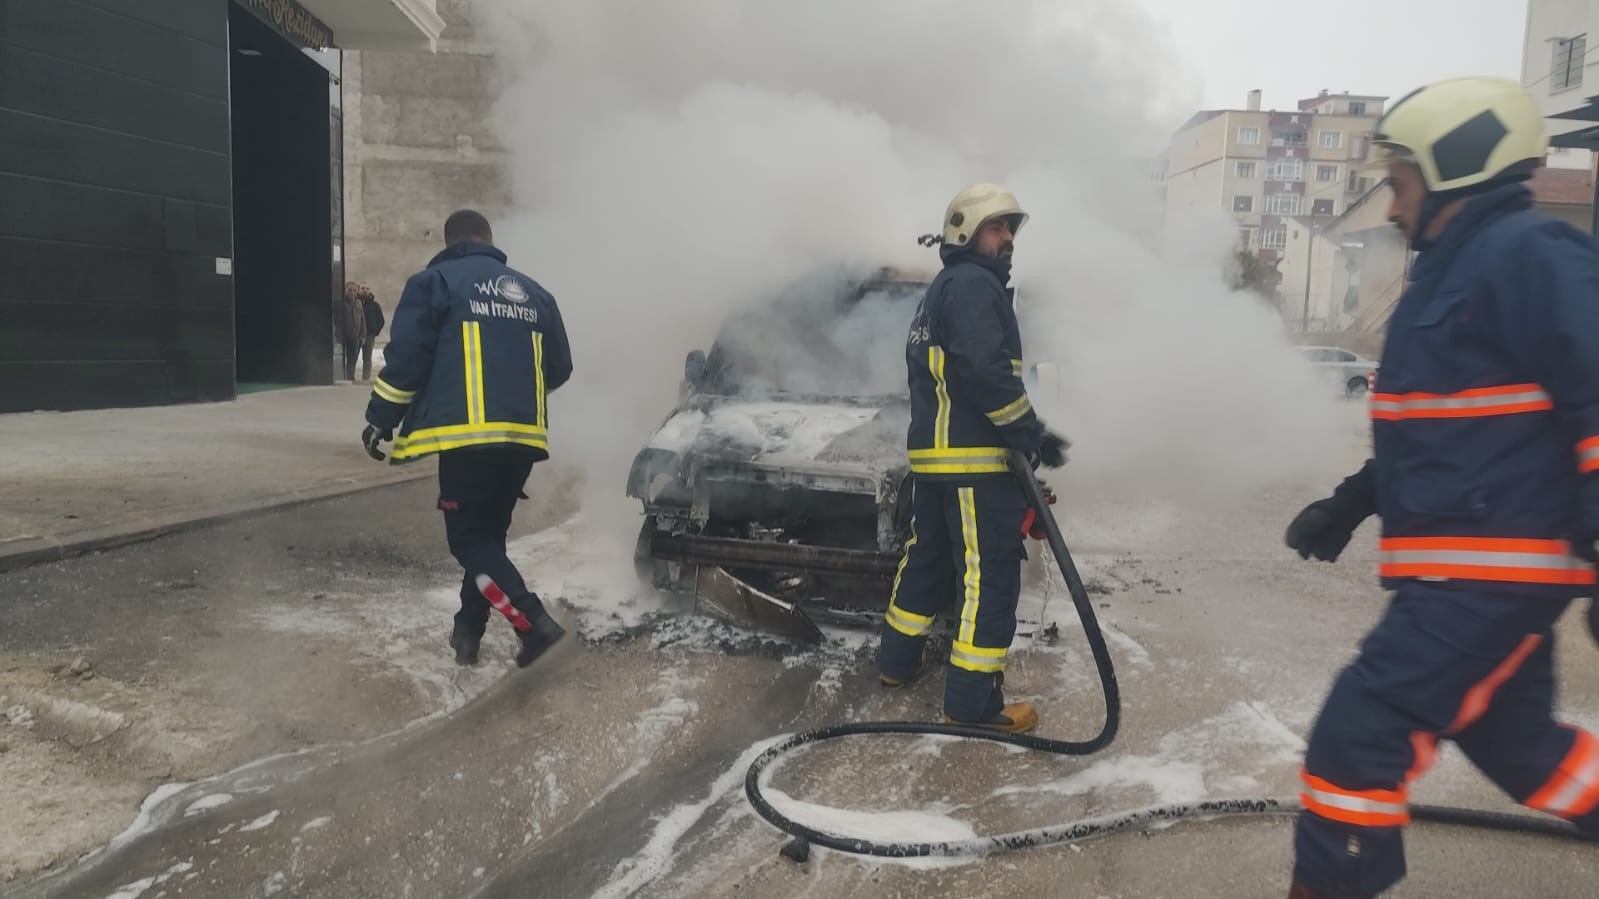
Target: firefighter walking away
969,408
475,350
1485,474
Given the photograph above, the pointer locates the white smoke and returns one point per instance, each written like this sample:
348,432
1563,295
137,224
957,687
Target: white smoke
674,161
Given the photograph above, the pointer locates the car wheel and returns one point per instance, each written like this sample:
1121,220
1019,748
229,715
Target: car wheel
1356,388
647,568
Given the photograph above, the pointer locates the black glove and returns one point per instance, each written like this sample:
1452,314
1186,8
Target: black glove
1323,529
372,436
1052,450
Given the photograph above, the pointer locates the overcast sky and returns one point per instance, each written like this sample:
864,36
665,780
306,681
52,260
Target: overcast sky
1384,47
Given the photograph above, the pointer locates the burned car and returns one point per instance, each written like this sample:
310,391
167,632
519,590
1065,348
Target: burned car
778,489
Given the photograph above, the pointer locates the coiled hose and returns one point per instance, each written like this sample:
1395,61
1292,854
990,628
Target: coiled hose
799,848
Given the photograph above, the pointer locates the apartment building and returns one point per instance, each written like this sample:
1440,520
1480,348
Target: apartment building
1268,166
1555,61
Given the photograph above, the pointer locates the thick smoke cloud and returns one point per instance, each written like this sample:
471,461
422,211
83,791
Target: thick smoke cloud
673,162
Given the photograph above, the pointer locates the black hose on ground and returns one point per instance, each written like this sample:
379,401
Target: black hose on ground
799,849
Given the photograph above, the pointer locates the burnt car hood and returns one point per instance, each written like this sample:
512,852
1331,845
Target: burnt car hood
858,435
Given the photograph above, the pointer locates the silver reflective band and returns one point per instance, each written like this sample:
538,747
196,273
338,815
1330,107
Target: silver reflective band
1426,404
1577,785
1544,561
1356,804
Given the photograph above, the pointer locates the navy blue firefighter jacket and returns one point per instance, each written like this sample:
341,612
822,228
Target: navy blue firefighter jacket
1485,416
969,407
475,348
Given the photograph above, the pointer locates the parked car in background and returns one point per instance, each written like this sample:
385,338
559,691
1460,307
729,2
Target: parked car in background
1349,373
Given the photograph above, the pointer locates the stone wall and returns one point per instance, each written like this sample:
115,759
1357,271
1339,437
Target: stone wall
417,146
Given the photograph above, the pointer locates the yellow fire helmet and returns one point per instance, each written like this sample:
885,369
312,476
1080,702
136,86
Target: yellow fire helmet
1463,134
976,205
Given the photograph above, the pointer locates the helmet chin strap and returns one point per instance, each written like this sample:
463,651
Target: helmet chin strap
1434,205
1430,207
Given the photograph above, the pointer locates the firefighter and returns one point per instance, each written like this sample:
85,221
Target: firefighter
969,408
474,350
1485,441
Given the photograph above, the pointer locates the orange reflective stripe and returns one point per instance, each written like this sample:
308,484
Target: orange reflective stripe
1511,399
1424,746
1588,455
1573,789
1484,559
1480,696
1366,808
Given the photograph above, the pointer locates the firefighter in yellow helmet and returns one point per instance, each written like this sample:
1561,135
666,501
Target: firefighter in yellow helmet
969,409
1485,475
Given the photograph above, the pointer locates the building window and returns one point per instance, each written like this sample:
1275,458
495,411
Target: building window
1249,136
1358,184
1357,148
1288,138
1274,238
1330,140
1565,71
1357,107
1243,204
1286,170
1326,173
1246,238
1246,170
1321,207
1282,204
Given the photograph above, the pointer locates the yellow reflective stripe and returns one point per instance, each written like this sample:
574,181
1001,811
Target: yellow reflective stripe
484,428
477,362
974,565
1016,367
908,623
976,658
393,394
951,468
435,440
935,362
962,453
893,593
960,460
417,451
1010,414
538,376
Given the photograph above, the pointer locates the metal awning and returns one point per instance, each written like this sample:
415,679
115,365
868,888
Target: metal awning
380,24
1581,139
1589,112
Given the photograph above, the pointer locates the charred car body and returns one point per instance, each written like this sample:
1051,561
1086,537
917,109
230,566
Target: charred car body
779,486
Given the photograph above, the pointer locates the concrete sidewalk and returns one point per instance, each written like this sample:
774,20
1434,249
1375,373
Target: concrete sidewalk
71,482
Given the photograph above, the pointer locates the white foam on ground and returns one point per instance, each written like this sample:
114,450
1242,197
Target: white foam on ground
659,854
920,826
138,887
207,803
260,823
1223,754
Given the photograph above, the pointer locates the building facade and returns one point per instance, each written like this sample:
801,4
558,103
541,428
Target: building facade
170,193
1265,167
1556,62
419,143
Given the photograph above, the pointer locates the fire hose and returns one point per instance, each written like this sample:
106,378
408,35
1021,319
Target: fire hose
804,836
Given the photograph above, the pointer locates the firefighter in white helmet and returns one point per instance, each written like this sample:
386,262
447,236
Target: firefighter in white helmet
1485,475
969,409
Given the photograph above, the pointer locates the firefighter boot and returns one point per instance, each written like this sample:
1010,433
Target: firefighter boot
465,643
544,633
1014,718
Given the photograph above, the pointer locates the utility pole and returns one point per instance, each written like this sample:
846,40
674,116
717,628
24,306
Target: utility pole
1310,256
